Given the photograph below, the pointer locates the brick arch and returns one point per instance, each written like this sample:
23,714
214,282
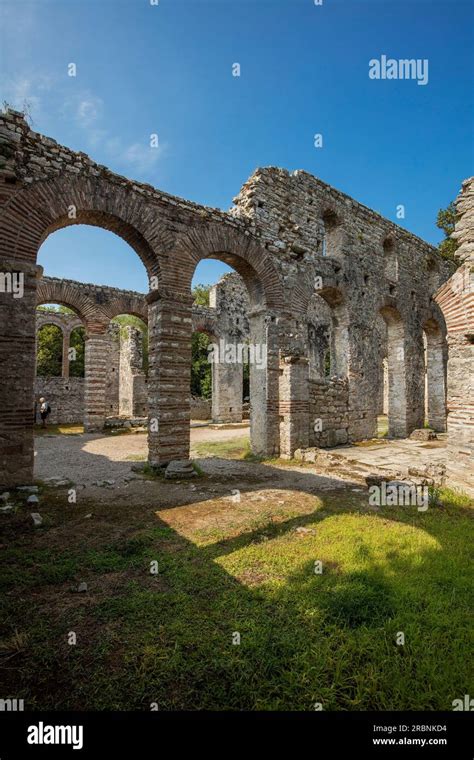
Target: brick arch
66,294
52,318
124,304
34,212
230,245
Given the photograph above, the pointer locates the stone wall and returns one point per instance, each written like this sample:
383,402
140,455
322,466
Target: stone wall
299,245
368,270
65,396
201,408
328,411
456,299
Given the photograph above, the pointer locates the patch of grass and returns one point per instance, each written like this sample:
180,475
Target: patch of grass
136,458
234,448
62,429
227,567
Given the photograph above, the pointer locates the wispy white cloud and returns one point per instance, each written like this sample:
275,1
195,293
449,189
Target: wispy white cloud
27,92
140,156
88,111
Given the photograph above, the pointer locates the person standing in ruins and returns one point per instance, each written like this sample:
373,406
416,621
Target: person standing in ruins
45,411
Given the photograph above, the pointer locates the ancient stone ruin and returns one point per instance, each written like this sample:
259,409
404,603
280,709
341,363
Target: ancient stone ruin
335,302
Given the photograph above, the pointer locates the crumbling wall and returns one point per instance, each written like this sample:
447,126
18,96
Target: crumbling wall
364,266
456,299
328,411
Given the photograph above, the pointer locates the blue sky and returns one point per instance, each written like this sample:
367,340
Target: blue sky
167,69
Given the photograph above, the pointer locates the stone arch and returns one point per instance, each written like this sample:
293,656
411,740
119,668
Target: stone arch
230,245
397,394
68,294
33,213
125,304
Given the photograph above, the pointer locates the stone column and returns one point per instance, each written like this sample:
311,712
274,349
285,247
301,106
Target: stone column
96,364
131,370
17,374
227,381
294,404
264,385
293,386
436,383
66,341
169,375
414,380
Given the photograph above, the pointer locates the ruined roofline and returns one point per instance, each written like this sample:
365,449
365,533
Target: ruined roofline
119,291
17,118
342,197
82,161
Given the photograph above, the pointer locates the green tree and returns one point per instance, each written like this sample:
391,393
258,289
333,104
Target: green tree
77,341
201,295
446,220
129,320
201,375
49,356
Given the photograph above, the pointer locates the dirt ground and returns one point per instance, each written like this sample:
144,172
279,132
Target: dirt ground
100,466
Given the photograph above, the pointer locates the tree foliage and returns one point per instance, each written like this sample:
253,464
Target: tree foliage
49,356
446,220
77,341
129,320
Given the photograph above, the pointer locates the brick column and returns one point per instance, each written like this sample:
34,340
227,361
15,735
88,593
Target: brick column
65,365
264,389
293,387
17,373
169,375
227,383
96,363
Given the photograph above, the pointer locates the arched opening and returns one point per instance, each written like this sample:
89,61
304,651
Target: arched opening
337,331
331,234
435,376
49,356
128,372
396,379
220,348
59,364
390,259
105,351
328,346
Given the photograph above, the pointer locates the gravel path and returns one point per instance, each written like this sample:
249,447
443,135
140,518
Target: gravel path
87,458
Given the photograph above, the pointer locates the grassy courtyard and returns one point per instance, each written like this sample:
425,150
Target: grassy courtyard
228,567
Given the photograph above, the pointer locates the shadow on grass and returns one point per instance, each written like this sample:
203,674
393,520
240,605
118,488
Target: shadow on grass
243,622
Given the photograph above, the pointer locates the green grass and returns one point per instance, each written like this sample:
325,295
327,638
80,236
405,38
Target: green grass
63,429
305,637
234,448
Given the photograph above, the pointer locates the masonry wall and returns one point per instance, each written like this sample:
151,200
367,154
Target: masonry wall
456,299
328,412
65,397
366,268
